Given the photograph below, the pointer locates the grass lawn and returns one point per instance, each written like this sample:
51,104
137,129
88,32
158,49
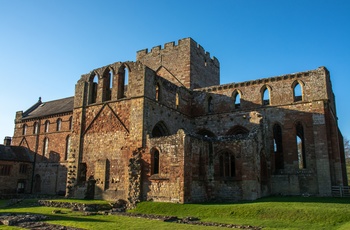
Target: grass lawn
270,213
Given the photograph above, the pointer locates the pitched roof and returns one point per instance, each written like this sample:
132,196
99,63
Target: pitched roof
41,109
16,153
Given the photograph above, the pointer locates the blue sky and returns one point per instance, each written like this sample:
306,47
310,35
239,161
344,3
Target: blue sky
45,46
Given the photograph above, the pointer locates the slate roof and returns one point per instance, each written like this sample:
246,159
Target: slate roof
16,153
42,109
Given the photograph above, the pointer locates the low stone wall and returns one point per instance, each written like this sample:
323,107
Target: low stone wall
76,206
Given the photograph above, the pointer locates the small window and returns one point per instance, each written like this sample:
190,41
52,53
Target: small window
47,126
237,99
66,156
227,165
266,96
93,88
58,124
210,105
300,141
177,100
5,170
36,128
20,186
23,168
24,130
70,123
157,92
155,162
45,147
278,148
297,93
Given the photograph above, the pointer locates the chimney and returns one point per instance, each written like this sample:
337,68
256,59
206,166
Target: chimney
7,141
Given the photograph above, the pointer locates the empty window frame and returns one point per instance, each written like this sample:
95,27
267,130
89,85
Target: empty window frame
24,129
155,161
93,83
107,84
70,123
160,130
23,168
300,142
157,95
36,128
123,81
5,170
45,146
265,95
278,147
47,126
210,104
58,124
237,130
236,95
227,164
297,91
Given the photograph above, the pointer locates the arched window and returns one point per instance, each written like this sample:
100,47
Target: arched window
47,126
36,128
297,92
45,146
157,96
70,123
24,129
265,96
155,161
227,164
93,88
160,130
67,148
210,105
236,130
123,81
108,85
278,148
58,124
300,141
236,95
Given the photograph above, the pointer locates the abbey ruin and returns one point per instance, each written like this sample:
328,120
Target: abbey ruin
163,128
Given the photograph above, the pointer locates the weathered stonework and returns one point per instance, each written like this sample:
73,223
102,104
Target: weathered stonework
164,129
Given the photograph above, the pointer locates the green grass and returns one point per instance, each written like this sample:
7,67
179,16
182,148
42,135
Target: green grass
270,213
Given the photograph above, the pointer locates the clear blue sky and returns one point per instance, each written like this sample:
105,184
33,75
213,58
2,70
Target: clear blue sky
45,46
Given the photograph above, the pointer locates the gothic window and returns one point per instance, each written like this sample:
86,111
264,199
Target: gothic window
160,130
36,128
237,99
123,81
210,105
47,126
278,148
155,161
265,96
23,168
58,124
236,130
297,92
67,147
107,85
24,129
300,141
93,88
45,146
227,164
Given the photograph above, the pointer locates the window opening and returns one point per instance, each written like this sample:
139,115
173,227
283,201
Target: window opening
237,130
210,105
59,124
67,148
177,100
227,165
266,97
24,131
155,163
237,98
36,128
94,85
278,148
297,93
70,123
47,124
23,168
5,170
160,130
157,92
46,146
300,141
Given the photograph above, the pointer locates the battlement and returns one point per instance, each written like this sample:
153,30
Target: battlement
185,42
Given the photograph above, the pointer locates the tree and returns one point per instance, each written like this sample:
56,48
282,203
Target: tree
347,148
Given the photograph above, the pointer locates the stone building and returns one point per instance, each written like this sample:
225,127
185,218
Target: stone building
164,129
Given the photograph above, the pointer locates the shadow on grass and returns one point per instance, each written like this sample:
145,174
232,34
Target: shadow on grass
288,199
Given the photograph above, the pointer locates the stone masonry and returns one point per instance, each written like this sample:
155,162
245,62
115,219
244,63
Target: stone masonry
162,128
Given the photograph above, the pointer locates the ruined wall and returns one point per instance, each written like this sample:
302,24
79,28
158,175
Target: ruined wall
9,183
